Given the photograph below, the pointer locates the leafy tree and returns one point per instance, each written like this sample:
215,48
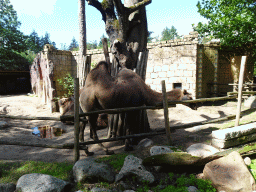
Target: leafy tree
100,45
34,42
231,21
92,45
45,39
169,34
73,45
149,36
12,40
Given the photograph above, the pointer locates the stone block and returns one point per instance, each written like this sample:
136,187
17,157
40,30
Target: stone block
170,73
190,79
150,69
235,132
178,73
188,73
162,74
182,66
165,68
154,75
157,68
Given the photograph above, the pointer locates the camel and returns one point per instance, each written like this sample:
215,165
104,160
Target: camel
127,89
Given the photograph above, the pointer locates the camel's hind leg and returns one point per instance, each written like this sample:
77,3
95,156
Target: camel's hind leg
93,126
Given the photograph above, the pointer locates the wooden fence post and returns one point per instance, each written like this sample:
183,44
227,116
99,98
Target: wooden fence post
76,120
166,114
240,88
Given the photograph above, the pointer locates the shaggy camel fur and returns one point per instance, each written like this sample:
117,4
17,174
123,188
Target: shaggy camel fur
127,89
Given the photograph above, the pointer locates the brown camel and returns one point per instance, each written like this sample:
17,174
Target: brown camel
127,89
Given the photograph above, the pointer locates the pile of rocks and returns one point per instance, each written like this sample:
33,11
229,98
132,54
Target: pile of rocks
228,173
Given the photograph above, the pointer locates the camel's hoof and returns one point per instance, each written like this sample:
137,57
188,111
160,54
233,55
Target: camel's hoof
109,152
89,154
128,148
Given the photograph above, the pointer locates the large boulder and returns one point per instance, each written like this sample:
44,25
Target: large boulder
229,173
36,182
89,170
133,166
250,102
201,150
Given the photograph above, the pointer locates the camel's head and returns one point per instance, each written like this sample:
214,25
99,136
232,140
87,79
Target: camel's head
188,96
65,105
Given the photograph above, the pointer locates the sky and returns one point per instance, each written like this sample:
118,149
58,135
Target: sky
60,18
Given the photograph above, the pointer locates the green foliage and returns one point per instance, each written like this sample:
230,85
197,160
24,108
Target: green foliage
68,85
252,167
174,189
11,172
91,45
169,34
231,21
104,4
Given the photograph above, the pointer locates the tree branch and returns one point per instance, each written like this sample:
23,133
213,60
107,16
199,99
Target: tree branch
139,5
96,4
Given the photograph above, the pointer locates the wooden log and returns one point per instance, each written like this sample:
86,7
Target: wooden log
105,50
158,106
24,143
76,122
243,92
30,118
240,88
166,114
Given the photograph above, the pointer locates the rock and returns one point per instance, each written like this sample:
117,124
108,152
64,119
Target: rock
229,173
144,143
157,150
3,124
133,165
89,170
201,150
192,189
97,189
36,182
129,191
175,158
247,161
7,187
250,102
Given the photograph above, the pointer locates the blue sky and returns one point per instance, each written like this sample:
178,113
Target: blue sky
60,18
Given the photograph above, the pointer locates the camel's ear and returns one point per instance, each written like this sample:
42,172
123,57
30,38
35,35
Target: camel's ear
185,92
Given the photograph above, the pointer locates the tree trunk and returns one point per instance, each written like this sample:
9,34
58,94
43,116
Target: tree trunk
83,66
126,26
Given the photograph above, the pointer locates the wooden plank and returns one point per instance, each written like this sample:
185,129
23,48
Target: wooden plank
240,88
166,114
76,120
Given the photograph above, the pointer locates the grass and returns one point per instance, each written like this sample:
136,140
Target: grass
12,171
252,167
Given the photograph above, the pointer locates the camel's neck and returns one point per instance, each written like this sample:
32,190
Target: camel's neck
153,97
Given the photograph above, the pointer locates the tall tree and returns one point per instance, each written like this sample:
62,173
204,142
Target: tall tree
231,21
46,39
73,45
126,26
82,27
169,34
12,40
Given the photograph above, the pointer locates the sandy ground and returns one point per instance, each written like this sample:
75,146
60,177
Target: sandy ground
21,130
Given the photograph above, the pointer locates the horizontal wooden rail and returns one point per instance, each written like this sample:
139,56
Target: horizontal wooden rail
119,110
158,106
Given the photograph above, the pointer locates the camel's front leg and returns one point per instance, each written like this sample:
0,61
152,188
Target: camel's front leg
93,126
82,125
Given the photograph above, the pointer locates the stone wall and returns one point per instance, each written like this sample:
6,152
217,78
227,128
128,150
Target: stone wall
173,61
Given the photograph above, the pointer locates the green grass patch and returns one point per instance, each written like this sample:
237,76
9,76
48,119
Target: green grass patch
252,167
12,171
116,160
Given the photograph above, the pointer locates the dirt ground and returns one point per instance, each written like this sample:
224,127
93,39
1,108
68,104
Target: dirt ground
21,130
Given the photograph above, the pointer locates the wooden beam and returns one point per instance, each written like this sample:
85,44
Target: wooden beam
240,88
166,114
76,122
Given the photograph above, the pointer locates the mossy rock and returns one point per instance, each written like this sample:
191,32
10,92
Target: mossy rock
175,158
